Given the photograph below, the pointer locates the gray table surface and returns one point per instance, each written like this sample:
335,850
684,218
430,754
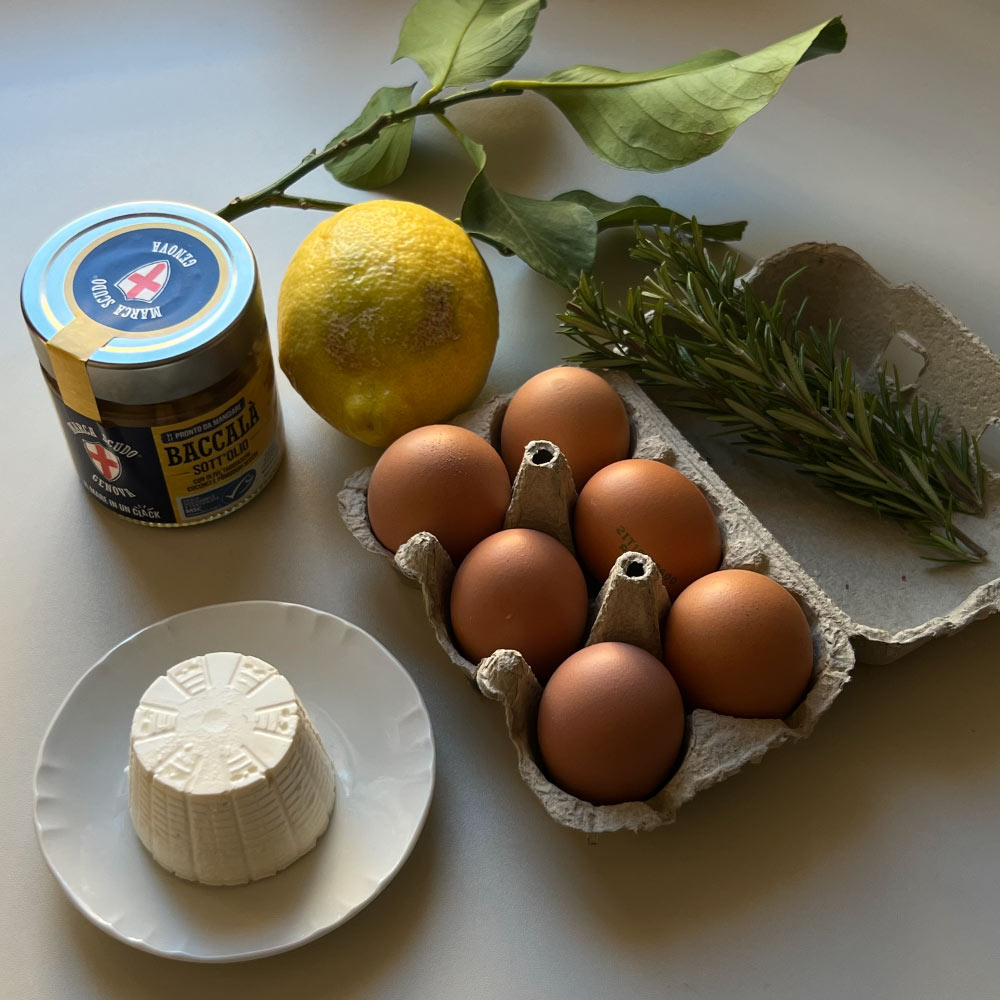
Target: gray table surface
863,862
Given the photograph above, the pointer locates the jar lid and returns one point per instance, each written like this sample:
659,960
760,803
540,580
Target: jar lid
139,285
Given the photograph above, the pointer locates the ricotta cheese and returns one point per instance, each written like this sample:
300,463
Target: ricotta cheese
228,781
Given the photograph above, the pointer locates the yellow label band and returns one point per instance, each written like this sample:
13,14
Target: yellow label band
69,350
209,462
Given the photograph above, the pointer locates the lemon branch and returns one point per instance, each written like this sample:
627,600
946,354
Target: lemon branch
275,194
281,200
634,120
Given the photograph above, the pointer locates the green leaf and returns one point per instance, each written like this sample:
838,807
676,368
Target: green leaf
556,238
795,372
854,498
828,42
644,211
751,415
921,480
861,421
740,371
667,117
461,41
858,477
800,423
382,161
771,452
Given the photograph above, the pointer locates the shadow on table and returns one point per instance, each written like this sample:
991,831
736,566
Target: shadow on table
756,839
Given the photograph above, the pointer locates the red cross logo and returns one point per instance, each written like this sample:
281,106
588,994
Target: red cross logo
145,283
107,462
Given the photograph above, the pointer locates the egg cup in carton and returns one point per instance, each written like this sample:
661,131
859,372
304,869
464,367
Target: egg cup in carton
630,607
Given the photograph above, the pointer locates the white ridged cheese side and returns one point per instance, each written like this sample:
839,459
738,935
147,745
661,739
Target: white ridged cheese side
228,781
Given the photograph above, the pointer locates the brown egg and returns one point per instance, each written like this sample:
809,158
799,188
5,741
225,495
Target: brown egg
442,479
574,409
643,506
520,589
610,724
739,644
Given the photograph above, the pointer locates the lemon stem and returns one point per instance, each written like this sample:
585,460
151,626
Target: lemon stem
274,194
279,200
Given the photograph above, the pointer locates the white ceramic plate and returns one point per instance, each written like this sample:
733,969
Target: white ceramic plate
371,719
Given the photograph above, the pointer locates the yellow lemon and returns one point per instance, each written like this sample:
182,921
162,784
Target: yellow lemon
387,320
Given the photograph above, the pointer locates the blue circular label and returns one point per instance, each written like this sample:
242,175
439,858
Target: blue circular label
146,280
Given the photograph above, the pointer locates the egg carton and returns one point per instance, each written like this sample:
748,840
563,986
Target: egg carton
865,591
630,607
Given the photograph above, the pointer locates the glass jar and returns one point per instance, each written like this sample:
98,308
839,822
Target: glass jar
149,327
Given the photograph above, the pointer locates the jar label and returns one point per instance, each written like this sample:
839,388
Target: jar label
186,471
146,280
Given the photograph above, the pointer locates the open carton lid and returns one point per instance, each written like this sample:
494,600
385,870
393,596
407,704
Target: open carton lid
892,599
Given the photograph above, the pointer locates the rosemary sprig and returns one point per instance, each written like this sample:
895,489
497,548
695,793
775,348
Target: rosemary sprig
788,392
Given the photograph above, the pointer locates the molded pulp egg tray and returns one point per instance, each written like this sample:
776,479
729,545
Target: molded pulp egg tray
863,587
